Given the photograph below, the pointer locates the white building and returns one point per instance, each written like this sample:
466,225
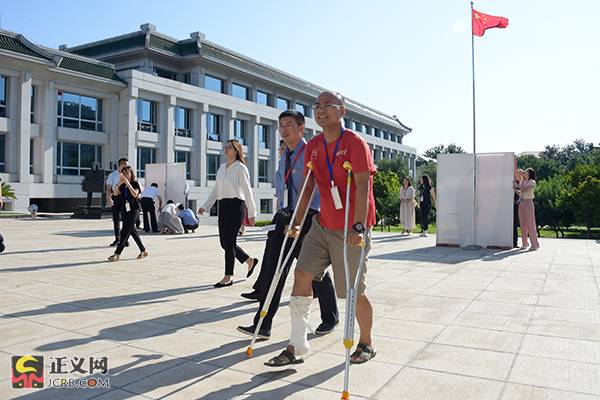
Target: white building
151,98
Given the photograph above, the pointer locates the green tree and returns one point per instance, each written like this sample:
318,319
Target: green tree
7,191
544,167
442,149
386,190
581,171
430,169
397,165
552,204
586,202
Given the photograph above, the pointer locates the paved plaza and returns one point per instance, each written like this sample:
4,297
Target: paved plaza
450,324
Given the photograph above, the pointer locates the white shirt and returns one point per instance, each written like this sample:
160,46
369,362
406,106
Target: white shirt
150,191
112,179
232,182
170,208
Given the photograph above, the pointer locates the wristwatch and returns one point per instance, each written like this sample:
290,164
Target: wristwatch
358,227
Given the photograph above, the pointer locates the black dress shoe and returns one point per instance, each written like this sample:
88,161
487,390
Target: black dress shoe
219,284
249,330
325,328
254,296
253,268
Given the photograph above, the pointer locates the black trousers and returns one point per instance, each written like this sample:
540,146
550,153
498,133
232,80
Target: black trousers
148,208
129,219
231,215
116,217
515,225
424,220
323,290
187,228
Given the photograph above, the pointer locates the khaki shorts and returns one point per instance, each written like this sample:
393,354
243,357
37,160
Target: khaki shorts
323,247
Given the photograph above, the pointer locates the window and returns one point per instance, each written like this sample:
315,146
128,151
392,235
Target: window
74,158
376,132
346,123
367,130
239,91
2,153
184,157
283,104
263,170
145,155
163,73
381,133
266,206
146,115
303,109
213,127
182,122
263,136
386,135
213,161
79,112
214,84
32,108
239,130
187,78
31,156
3,96
356,126
263,98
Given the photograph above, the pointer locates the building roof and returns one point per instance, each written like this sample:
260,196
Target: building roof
197,46
16,43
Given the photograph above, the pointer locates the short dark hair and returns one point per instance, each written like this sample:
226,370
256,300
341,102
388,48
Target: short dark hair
154,184
169,201
297,115
122,160
180,207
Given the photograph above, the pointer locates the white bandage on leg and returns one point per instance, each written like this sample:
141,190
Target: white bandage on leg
300,311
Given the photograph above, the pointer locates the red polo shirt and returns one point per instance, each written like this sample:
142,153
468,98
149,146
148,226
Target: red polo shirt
351,148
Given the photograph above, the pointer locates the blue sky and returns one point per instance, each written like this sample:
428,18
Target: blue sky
538,81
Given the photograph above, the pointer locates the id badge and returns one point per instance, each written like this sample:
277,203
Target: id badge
335,194
127,207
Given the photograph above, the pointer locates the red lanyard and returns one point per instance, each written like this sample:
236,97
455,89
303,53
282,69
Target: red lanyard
287,175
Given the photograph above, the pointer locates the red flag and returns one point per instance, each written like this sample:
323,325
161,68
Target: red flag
482,22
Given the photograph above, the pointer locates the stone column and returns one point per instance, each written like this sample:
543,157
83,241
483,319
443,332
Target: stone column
168,130
202,142
253,150
125,143
48,129
24,127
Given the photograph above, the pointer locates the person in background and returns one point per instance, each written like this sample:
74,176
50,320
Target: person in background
233,191
111,183
516,201
127,194
168,221
149,206
426,199
407,206
527,210
188,219
2,246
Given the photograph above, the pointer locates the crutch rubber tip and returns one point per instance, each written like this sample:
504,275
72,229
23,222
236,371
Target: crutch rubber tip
249,351
345,396
347,165
348,343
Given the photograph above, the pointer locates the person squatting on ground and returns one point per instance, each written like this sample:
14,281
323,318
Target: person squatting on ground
288,184
168,221
188,219
127,195
149,207
112,182
324,242
233,191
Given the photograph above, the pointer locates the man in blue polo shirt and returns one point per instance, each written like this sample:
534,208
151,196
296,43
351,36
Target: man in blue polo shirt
288,183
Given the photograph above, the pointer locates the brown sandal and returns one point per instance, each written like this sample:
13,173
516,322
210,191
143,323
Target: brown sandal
285,358
362,354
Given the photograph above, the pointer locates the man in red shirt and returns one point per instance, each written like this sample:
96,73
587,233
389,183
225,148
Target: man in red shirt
324,243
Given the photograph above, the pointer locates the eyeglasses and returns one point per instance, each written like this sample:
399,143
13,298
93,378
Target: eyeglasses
288,125
326,107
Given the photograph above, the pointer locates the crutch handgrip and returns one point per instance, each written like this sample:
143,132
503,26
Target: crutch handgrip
309,165
347,165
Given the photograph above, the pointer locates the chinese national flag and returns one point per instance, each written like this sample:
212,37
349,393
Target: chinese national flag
482,22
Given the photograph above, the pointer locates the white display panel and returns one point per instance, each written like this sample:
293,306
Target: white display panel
170,179
494,200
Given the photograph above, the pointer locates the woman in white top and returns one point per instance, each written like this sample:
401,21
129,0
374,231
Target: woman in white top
232,190
407,206
527,210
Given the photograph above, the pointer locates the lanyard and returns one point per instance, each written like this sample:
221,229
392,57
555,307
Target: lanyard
335,150
287,175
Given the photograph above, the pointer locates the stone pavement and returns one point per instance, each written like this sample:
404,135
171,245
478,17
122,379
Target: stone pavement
450,323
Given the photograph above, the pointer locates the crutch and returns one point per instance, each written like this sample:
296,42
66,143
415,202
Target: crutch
350,290
281,265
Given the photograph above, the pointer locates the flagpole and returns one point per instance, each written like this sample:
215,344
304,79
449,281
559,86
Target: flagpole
473,245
